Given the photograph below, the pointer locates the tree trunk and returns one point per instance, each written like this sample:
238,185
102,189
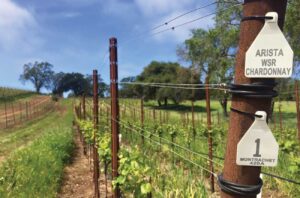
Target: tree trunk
38,89
158,102
223,103
166,101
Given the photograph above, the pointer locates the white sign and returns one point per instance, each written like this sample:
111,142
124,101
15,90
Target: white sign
270,55
258,146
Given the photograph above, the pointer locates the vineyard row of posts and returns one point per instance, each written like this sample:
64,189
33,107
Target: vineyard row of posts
114,115
14,113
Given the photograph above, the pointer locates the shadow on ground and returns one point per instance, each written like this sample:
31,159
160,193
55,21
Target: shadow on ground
180,107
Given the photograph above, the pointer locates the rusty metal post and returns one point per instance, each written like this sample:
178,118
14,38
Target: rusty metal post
210,145
114,111
297,107
240,123
96,127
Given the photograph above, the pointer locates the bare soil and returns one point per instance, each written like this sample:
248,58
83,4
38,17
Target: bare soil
78,176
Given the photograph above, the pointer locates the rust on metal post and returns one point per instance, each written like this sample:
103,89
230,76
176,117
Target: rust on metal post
297,107
96,128
114,111
239,123
210,145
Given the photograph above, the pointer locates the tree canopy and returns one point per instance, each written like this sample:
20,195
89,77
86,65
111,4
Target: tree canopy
38,73
161,72
78,84
212,52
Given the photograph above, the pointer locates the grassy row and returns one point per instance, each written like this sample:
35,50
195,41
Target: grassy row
37,170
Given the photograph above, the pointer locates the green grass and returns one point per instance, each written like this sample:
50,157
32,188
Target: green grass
288,110
12,139
36,170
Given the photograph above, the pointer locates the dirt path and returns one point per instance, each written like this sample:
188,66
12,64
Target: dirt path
77,182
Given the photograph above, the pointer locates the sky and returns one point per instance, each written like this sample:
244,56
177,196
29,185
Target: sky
73,35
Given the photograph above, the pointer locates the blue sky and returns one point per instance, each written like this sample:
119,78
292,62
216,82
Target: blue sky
73,34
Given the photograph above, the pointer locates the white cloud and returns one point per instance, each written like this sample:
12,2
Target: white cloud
79,2
153,7
17,24
70,14
117,7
